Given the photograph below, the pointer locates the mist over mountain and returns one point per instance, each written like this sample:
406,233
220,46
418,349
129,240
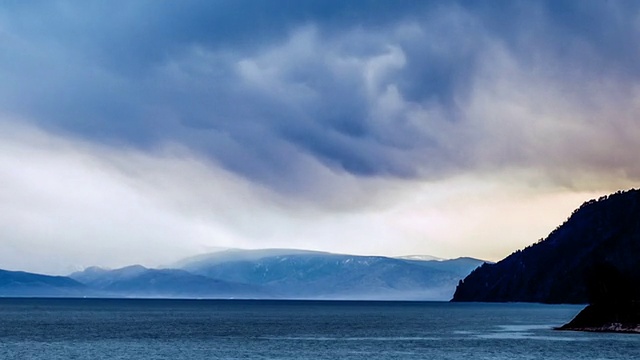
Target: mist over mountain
310,274
138,281
258,274
602,233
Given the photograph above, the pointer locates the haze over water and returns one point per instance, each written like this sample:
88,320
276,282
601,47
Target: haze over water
206,329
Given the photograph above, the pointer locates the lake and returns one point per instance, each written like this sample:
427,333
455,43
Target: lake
238,329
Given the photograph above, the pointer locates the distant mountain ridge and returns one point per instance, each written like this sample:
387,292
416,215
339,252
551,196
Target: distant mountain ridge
602,232
262,274
420,257
138,281
20,283
311,274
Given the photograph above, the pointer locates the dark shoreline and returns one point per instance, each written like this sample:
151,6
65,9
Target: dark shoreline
612,317
609,328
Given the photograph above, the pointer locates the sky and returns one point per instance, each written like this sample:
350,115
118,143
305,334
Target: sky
142,132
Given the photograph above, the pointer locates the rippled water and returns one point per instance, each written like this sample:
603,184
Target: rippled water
203,329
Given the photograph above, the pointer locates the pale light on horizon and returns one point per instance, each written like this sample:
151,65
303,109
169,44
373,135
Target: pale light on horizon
68,205
406,128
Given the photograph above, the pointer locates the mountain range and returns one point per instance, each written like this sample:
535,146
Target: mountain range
592,257
258,274
309,274
20,283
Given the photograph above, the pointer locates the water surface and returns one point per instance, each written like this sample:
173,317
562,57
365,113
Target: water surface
236,329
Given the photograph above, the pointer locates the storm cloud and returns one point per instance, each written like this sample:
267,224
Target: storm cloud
369,88
326,106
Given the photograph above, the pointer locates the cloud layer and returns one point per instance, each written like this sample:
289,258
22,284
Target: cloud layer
324,108
68,204
370,88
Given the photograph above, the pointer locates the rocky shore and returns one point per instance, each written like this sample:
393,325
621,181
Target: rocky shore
622,318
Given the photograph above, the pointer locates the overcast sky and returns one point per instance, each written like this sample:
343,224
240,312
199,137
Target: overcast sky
146,131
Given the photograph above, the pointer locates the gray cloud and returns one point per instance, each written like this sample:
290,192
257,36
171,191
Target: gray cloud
369,88
67,204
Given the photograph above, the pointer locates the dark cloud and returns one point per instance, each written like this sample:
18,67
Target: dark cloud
369,88
591,35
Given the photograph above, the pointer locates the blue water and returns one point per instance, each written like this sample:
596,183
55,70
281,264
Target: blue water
204,329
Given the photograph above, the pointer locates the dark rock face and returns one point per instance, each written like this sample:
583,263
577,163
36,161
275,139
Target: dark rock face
568,266
614,306
603,318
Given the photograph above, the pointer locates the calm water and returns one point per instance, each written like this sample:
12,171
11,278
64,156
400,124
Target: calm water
173,329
